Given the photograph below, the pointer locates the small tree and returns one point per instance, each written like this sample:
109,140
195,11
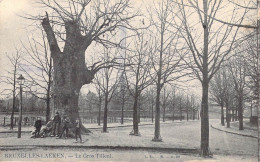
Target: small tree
108,83
217,91
38,67
138,77
100,97
11,79
238,70
166,54
228,93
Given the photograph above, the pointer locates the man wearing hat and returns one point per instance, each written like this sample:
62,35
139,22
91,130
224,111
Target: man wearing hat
65,127
56,124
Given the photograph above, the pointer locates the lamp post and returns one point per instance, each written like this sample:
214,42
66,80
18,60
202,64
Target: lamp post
21,82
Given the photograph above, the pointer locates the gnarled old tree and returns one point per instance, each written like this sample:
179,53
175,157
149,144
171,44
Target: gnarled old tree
208,55
76,24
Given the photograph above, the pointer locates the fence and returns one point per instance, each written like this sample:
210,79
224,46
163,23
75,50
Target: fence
27,121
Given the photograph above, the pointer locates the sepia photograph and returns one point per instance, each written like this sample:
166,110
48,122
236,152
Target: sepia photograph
129,80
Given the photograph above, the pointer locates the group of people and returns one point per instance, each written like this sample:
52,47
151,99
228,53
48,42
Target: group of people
52,128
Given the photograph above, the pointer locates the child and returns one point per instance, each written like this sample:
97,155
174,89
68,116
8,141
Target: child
77,131
38,126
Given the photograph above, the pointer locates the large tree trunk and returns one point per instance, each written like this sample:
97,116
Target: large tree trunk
70,71
67,85
240,113
204,149
204,120
222,114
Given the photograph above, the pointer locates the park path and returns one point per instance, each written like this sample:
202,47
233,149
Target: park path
177,135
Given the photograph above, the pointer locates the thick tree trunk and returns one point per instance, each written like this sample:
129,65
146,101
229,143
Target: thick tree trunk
204,120
222,115
68,80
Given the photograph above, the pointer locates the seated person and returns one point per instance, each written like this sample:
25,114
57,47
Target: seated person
46,131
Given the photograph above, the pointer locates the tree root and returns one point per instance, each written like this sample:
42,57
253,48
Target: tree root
84,130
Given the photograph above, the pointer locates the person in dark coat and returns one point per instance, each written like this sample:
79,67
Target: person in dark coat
38,126
56,124
77,131
65,127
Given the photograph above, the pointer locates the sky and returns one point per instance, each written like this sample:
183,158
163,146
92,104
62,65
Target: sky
14,29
